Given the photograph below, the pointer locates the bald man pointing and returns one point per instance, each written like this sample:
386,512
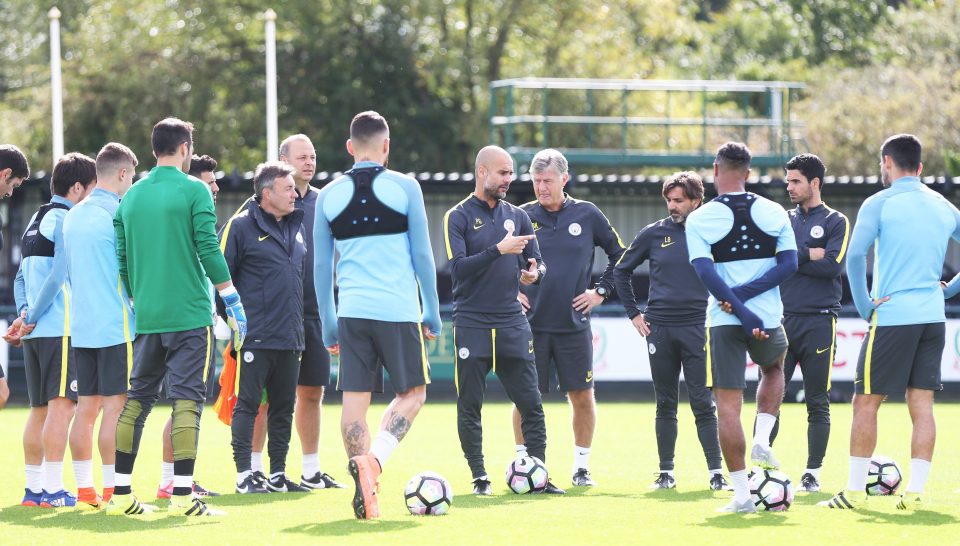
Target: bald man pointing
492,250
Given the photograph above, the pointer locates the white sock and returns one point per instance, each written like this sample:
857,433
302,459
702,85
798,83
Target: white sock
919,472
243,475
53,476
581,458
741,489
521,450
109,471
256,461
34,474
765,423
311,464
383,445
83,472
183,481
815,472
857,479
166,473
122,480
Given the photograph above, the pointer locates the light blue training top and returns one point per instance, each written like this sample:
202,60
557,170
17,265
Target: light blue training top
909,227
41,284
380,277
99,310
711,223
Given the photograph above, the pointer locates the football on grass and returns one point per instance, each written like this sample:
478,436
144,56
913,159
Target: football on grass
428,494
771,490
883,476
526,475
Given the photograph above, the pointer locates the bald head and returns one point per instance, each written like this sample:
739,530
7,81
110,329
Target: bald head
489,154
494,171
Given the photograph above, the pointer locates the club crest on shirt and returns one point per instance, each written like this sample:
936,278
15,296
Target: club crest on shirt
575,229
299,237
816,232
247,357
463,353
508,224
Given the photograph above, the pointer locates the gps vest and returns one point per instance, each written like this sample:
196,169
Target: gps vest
745,241
33,242
366,215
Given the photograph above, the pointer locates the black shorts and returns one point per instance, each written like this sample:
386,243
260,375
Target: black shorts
104,371
51,369
893,358
493,347
727,348
571,355
813,343
315,362
184,358
368,346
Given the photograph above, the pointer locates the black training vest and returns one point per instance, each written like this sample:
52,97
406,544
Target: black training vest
746,241
33,243
366,215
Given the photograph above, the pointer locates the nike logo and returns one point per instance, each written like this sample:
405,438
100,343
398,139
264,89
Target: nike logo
264,238
821,351
589,379
531,347
665,245
536,226
478,224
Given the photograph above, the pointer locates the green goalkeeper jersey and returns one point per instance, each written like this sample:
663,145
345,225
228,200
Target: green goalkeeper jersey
166,246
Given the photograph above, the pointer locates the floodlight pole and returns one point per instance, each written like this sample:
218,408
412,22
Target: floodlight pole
270,30
56,83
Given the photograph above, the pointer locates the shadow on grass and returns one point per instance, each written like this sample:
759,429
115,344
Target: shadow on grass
95,521
672,495
746,521
348,527
916,517
257,499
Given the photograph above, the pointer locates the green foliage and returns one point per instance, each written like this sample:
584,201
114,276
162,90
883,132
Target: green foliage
427,64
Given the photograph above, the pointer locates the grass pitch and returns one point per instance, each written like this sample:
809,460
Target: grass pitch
621,510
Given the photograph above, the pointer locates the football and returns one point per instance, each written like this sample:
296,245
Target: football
428,494
771,490
526,475
883,476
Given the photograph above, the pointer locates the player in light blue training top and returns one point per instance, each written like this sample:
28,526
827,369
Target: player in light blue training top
103,325
909,227
376,221
742,247
42,293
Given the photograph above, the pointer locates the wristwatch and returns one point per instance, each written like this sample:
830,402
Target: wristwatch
602,291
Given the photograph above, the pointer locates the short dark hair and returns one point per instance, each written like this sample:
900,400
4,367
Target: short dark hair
690,181
201,164
112,157
733,156
12,158
170,133
267,173
904,149
809,165
70,169
366,125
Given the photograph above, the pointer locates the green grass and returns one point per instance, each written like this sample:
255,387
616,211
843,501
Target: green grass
620,511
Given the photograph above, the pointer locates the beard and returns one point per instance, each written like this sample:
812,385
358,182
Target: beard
493,193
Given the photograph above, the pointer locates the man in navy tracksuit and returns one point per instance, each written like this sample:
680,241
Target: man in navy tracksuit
265,250
811,301
488,262
568,230
673,325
